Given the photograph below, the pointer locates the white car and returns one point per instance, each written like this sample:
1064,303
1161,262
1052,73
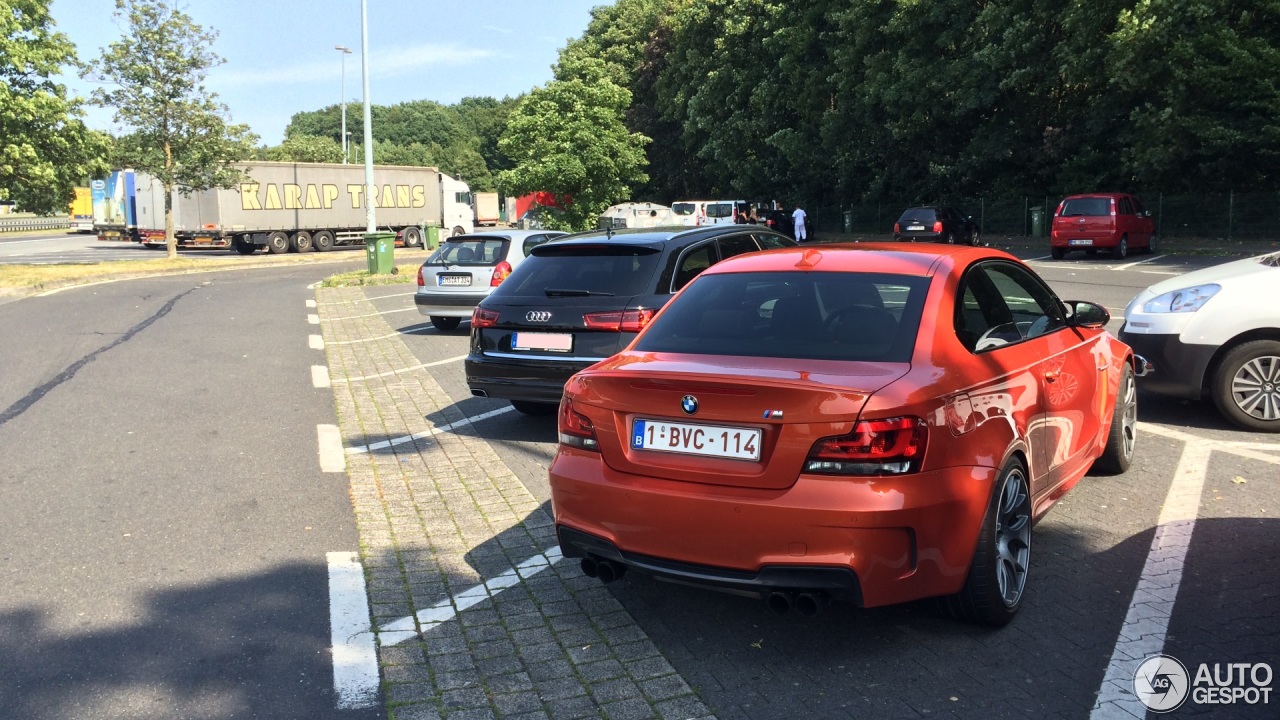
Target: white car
1215,333
466,268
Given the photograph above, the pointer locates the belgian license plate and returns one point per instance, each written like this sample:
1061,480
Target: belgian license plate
1077,242
453,280
553,342
735,443
915,227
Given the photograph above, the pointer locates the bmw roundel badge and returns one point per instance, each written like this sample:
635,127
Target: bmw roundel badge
689,404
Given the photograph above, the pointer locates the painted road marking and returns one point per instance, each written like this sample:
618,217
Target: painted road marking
368,299
315,342
446,361
329,441
311,303
319,376
313,318
1126,266
355,656
411,330
384,312
361,449
403,630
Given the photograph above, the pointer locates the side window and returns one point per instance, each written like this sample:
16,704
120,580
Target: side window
770,242
1001,304
532,242
1125,207
736,245
692,263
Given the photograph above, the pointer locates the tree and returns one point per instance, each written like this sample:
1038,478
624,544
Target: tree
181,134
305,148
568,139
45,148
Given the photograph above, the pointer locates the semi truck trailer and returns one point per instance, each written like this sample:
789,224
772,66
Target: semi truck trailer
81,211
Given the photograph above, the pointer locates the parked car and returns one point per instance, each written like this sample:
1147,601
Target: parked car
466,268
871,423
1215,333
781,221
937,223
579,300
696,213
1101,221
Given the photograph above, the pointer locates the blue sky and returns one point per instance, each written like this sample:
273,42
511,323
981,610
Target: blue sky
280,56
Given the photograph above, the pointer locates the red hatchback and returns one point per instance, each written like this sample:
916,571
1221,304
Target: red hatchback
1102,221
873,424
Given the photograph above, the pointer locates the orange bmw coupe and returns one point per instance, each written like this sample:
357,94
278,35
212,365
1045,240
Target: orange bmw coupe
864,423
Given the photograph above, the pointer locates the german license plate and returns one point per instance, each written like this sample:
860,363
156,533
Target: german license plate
915,227
1078,242
453,280
735,443
553,342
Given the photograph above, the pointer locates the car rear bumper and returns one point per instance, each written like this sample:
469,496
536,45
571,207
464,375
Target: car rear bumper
1095,241
1177,368
460,306
902,538
523,378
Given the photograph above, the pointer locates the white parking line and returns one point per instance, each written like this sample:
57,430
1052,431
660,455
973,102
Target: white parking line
384,312
411,330
311,303
329,441
367,299
319,376
402,630
355,656
381,445
313,318
1126,266
1147,622
446,361
315,342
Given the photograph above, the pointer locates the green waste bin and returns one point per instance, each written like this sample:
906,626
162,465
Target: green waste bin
433,237
1037,222
380,248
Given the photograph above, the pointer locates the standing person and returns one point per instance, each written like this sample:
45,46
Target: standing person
801,221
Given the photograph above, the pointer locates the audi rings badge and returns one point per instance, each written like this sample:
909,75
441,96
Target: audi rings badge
538,315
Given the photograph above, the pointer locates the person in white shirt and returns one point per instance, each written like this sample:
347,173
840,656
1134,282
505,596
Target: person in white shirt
801,221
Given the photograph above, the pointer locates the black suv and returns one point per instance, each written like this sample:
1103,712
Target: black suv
583,298
937,224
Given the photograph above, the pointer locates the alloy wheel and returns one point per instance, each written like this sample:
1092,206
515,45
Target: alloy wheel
1013,537
1255,388
1129,413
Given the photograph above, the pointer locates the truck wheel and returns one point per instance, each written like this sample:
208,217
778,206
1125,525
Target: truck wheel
243,246
300,242
278,242
412,237
458,231
445,323
322,241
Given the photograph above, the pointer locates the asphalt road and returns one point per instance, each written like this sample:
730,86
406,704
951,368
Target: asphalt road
165,521
62,247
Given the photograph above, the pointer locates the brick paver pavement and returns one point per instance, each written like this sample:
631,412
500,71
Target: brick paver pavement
443,523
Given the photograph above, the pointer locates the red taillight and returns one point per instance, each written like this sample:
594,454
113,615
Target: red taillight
875,447
483,318
575,428
937,226
897,228
500,273
1113,207
620,321
421,282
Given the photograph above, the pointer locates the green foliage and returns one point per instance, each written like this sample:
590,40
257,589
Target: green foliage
305,148
45,148
568,139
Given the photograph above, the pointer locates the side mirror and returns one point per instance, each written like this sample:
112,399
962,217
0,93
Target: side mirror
1081,313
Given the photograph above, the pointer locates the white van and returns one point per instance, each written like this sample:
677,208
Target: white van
707,212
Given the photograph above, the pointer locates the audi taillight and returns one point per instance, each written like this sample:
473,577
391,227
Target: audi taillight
620,321
575,428
483,318
897,228
421,282
892,446
937,226
500,273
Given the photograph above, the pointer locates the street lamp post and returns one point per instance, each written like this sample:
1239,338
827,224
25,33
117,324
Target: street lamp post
369,216
345,52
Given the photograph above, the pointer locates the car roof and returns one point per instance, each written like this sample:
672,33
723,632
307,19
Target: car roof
892,258
1099,195
658,237
503,234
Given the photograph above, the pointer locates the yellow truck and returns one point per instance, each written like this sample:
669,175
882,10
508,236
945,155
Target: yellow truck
81,211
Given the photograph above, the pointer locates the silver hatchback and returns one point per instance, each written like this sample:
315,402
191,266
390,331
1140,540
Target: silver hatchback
466,268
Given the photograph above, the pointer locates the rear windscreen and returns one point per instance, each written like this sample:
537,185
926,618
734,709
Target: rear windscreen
919,215
567,270
809,315
720,210
475,251
1086,206
684,208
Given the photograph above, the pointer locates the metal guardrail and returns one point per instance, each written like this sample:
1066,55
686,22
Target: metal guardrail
19,224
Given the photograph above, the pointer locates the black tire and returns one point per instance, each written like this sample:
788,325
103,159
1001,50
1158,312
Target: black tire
412,237
1003,553
1121,251
535,409
1246,386
445,323
1153,244
1058,253
322,241
949,238
243,246
154,246
457,230
278,243
1123,435
300,241
975,239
